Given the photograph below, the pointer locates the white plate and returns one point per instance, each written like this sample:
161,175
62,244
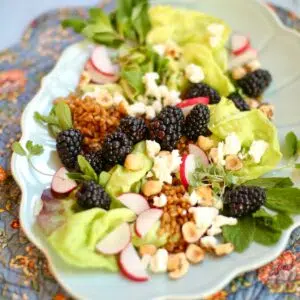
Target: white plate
279,50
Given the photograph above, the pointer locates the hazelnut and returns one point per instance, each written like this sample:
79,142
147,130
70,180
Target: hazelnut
134,162
205,192
253,103
253,65
194,254
238,73
267,109
173,262
147,249
182,268
223,249
152,187
213,155
233,163
205,143
190,232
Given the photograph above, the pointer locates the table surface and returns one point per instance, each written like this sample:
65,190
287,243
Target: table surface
16,14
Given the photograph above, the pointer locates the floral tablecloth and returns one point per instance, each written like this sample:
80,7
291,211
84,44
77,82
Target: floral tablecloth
24,273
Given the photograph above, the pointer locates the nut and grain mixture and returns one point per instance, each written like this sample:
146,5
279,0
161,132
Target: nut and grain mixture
183,146
174,216
93,120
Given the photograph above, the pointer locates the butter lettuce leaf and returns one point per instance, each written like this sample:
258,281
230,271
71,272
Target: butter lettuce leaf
123,180
189,30
248,126
76,240
151,238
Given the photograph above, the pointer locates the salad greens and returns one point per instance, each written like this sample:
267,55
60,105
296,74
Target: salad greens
75,241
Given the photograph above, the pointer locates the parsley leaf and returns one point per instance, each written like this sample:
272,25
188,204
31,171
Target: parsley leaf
76,24
18,149
266,235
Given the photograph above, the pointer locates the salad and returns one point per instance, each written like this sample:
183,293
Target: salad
165,146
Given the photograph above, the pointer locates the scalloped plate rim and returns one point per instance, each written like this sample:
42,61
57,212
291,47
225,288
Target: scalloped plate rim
22,184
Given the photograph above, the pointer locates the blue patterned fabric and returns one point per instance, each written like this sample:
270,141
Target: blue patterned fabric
24,272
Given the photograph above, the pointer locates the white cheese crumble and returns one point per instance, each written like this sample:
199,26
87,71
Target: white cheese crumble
150,112
220,154
232,144
160,49
219,222
194,73
138,108
152,89
171,98
160,201
209,242
194,198
166,163
204,217
152,148
157,106
159,261
118,98
257,150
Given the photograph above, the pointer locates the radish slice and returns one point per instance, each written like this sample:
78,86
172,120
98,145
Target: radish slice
187,167
146,220
102,62
195,150
115,241
61,183
98,77
136,202
188,104
239,44
247,56
131,265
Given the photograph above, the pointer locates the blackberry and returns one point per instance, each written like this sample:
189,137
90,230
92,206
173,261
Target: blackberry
255,83
68,146
243,200
92,195
203,90
166,128
196,122
239,101
95,160
115,148
134,128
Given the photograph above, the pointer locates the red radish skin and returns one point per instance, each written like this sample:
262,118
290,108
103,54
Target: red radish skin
61,183
98,77
135,202
195,150
146,220
102,62
237,61
115,241
187,166
239,44
188,104
131,266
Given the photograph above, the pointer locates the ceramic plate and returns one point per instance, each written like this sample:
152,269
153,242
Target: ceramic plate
279,50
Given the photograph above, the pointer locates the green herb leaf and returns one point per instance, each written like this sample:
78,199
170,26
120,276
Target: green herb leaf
107,38
266,235
135,80
18,149
86,168
272,182
29,145
297,166
140,20
75,23
51,119
291,145
284,200
54,130
64,116
76,176
36,150
240,235
97,15
279,221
